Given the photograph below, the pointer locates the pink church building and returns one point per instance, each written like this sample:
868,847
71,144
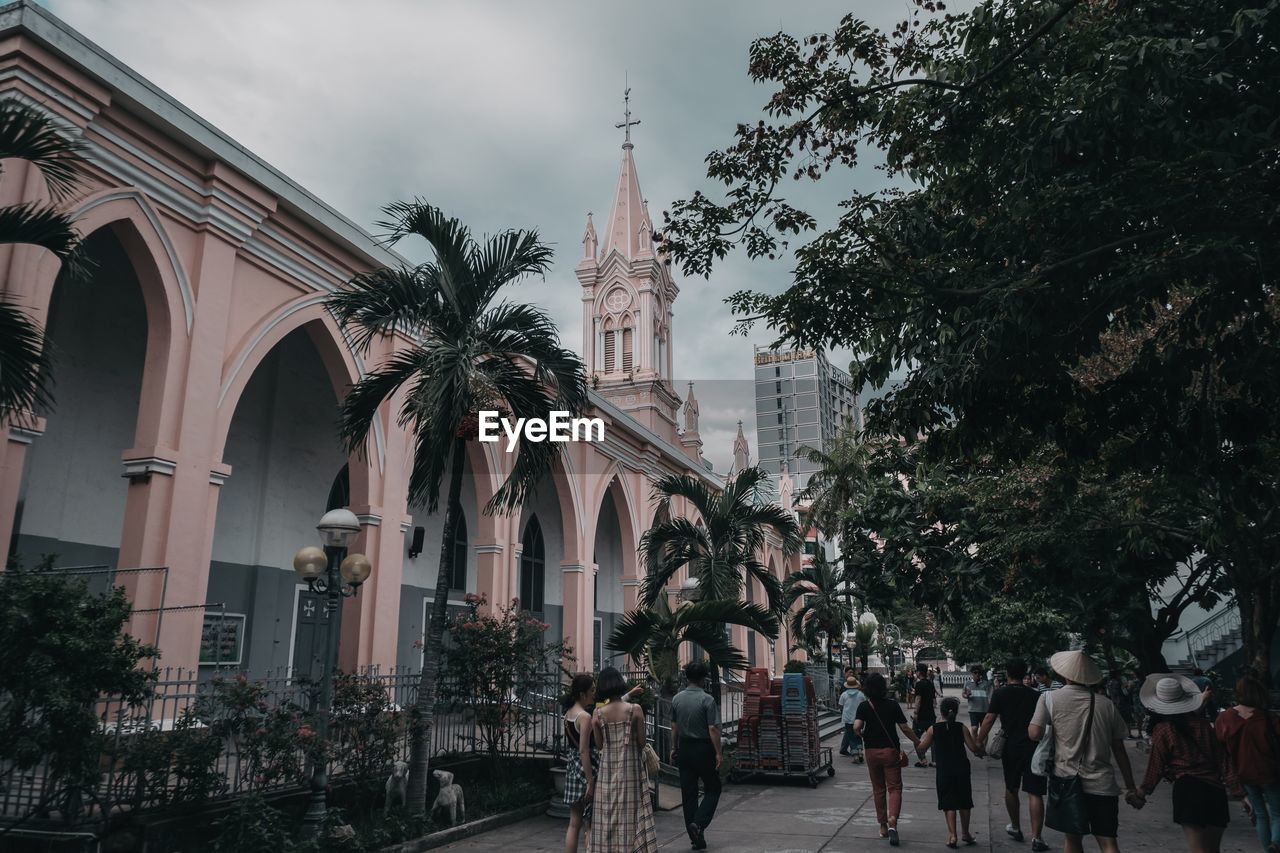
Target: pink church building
198,379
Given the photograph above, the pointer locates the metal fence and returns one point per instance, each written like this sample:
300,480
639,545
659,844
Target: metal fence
198,739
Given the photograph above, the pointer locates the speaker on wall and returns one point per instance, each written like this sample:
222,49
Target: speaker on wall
415,547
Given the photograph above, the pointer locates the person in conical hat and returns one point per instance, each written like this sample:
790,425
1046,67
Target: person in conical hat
1088,739
1184,751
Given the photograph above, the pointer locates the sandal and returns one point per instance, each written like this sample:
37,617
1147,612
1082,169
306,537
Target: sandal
969,840
952,843
922,764
884,831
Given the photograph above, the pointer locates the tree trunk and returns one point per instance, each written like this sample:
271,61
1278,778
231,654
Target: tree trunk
1258,628
423,714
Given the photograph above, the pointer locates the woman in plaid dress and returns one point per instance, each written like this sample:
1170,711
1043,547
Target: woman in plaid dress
623,812
579,780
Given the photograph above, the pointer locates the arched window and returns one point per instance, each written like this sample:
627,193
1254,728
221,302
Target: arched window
340,491
628,347
458,580
608,346
533,563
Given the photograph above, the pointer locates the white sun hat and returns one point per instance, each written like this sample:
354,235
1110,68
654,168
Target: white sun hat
1165,693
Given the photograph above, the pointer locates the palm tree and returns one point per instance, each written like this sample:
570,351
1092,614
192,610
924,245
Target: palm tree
653,635
818,589
28,133
837,484
720,550
472,353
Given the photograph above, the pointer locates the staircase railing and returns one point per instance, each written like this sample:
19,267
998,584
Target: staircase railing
1209,632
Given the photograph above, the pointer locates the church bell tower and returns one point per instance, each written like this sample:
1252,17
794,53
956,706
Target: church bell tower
627,292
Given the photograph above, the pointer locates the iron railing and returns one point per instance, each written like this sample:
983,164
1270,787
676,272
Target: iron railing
1211,632
202,738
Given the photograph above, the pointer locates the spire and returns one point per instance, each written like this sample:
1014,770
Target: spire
628,217
741,451
786,488
590,243
691,412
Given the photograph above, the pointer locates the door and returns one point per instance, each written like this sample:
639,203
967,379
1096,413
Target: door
310,635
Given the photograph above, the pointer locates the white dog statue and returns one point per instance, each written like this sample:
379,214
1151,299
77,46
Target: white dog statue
449,798
397,786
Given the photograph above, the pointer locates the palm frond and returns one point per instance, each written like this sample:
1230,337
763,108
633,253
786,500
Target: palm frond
39,225
633,633
29,133
449,239
719,649
24,363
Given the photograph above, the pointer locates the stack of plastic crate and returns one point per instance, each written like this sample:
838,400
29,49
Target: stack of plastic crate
757,689
800,722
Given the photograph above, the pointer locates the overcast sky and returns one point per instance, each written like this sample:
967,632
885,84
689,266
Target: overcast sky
501,113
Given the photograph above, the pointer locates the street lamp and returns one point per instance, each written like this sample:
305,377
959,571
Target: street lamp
690,589
333,573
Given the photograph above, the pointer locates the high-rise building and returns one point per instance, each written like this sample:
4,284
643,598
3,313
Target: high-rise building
802,400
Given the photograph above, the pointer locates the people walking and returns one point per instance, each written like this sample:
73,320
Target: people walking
875,723
949,740
1013,705
1250,732
1185,750
850,699
977,692
622,811
1088,743
580,757
696,752
924,712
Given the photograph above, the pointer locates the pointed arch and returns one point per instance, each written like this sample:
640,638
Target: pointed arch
533,566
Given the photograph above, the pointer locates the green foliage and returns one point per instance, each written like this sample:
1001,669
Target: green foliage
1022,624
794,666
1076,261
62,648
493,659
720,550
166,768
817,604
253,826
653,635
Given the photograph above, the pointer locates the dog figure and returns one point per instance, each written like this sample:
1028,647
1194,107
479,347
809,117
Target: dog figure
449,798
397,787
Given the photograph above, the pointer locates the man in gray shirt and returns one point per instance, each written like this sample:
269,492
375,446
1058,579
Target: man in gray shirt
695,735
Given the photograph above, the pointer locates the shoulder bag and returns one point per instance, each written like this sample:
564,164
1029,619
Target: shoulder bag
1065,809
996,742
1042,758
903,759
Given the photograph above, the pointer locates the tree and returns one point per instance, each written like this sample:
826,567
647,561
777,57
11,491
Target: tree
1079,246
62,648
491,664
818,604
29,134
1021,624
653,635
471,353
721,548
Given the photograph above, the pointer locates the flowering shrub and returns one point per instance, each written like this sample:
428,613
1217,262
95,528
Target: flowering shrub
493,661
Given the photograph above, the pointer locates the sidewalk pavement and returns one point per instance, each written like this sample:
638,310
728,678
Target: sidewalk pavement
786,816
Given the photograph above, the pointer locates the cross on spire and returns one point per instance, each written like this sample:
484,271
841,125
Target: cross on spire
626,124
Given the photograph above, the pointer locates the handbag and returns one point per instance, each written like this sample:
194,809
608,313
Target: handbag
651,763
1042,758
996,743
903,758
1065,810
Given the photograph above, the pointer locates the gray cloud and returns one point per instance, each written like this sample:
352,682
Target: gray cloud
502,113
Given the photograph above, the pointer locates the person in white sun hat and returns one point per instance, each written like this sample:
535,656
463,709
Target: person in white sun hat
1185,750
1088,742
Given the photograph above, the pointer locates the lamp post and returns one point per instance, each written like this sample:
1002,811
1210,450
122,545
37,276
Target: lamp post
332,573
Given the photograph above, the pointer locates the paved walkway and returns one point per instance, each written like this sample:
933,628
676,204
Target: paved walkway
839,817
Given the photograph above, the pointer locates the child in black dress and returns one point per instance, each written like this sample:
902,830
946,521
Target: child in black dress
955,791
